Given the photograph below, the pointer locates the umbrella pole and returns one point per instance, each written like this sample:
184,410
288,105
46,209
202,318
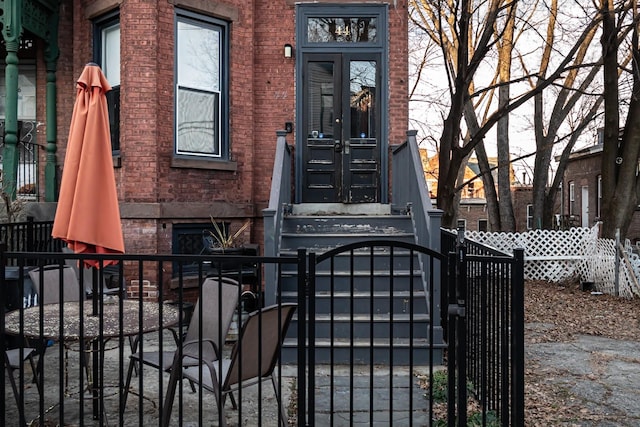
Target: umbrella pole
95,387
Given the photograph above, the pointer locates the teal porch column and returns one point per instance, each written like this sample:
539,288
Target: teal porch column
51,54
11,32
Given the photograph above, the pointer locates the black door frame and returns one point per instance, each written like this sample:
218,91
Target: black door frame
379,46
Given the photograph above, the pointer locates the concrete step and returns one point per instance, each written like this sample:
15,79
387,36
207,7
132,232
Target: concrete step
364,351
365,326
363,259
379,225
365,302
343,281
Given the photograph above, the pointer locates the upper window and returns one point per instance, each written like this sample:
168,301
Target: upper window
201,88
107,55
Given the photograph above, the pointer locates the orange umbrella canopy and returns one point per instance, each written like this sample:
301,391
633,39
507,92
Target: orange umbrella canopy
88,215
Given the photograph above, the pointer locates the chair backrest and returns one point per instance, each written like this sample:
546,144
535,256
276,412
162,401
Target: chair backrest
256,353
87,274
219,300
47,279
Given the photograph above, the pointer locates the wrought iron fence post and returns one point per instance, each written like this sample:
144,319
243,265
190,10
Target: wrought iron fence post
517,336
461,331
3,298
30,234
457,374
304,283
451,342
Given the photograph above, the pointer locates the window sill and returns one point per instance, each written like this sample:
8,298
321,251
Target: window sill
224,165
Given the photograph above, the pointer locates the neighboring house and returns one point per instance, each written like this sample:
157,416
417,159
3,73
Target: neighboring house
582,191
199,91
473,204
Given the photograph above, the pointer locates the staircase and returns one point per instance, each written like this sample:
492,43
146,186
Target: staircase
319,228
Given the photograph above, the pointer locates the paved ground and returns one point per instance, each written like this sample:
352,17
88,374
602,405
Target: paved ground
596,377
147,405
404,383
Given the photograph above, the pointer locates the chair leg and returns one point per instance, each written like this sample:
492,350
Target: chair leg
132,364
234,405
133,344
220,402
174,377
36,380
283,410
16,394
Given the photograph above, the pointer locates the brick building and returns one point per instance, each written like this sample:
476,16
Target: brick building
582,191
473,205
199,90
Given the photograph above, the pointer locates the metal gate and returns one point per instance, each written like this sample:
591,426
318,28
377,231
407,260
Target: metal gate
377,350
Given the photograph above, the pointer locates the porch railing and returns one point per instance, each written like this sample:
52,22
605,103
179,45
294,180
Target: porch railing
27,183
279,201
29,236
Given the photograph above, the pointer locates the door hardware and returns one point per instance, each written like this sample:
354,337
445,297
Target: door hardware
337,146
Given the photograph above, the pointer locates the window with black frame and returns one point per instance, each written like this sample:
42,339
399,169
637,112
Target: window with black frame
189,239
106,51
201,58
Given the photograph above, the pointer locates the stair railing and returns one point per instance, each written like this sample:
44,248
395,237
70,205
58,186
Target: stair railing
279,202
410,189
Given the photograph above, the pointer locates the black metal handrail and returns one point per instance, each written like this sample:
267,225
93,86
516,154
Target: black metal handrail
29,236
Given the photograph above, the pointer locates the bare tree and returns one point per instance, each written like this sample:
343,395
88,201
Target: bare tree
621,149
473,34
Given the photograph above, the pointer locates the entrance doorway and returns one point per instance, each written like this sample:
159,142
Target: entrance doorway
341,128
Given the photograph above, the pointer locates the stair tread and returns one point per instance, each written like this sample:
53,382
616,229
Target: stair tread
362,342
366,317
359,294
373,234
341,273
360,252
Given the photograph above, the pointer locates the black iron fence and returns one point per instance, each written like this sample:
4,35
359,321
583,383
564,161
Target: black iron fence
136,351
102,349
29,236
27,183
374,345
486,323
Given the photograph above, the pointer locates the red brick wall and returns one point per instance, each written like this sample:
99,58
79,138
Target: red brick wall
472,212
521,197
583,172
154,192
398,72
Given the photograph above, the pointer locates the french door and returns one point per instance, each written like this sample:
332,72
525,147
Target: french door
341,128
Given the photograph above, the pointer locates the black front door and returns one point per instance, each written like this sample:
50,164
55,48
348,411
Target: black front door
341,128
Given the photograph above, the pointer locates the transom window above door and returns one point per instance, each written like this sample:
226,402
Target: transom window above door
342,30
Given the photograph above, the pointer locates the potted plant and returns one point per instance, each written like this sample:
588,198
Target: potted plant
221,239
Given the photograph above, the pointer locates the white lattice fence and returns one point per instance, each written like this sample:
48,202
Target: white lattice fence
556,255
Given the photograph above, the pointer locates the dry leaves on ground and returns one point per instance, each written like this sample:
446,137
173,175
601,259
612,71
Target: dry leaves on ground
574,312
566,311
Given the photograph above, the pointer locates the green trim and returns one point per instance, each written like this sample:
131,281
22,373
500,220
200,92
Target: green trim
11,31
39,17
51,55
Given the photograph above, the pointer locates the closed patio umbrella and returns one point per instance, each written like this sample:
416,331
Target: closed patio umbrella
88,216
